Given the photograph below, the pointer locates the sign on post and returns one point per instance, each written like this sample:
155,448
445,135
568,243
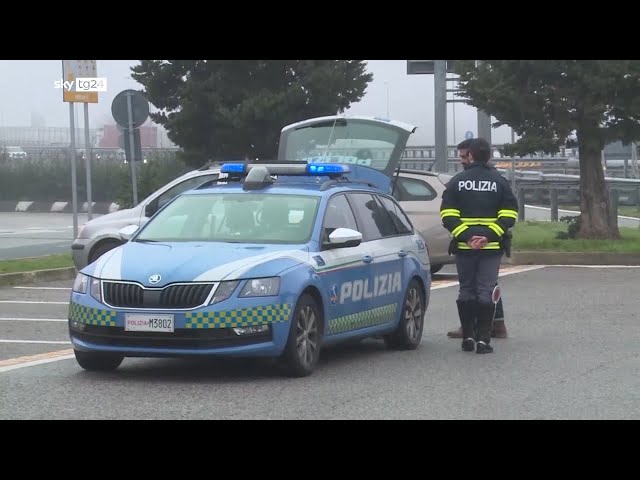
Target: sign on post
130,109
79,91
80,84
468,135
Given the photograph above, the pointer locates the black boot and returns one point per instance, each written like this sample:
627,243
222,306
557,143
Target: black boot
485,313
467,313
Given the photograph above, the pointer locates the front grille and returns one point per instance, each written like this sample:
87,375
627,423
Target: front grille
132,295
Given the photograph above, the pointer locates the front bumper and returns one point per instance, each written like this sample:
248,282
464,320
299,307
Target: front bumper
205,331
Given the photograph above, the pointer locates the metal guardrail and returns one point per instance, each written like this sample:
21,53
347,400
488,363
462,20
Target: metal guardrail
559,188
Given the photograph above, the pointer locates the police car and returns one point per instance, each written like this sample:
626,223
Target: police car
275,260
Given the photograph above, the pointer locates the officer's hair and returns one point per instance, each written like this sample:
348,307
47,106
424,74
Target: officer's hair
480,150
463,145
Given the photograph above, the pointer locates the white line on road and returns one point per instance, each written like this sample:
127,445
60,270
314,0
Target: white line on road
597,266
48,342
510,271
560,210
22,319
31,360
43,288
33,302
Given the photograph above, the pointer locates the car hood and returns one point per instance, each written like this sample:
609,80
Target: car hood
194,261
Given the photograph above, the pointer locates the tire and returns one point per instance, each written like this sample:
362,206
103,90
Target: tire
302,351
98,362
101,249
408,334
436,268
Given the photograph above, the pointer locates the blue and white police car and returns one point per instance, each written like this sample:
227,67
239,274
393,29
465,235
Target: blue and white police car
276,260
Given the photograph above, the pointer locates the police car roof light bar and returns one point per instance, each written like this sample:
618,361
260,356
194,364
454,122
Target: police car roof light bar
302,169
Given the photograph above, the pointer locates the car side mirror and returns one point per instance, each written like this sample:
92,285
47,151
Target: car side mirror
127,232
344,237
151,208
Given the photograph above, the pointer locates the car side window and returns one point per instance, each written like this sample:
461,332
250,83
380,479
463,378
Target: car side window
400,219
373,219
337,215
413,190
188,184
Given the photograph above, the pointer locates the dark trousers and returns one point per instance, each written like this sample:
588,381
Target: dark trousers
477,275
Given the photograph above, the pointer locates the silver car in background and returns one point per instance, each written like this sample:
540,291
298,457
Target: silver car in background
419,193
101,234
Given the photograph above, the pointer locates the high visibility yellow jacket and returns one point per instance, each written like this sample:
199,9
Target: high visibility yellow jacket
479,201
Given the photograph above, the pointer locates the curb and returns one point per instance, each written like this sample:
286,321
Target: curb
67,273
56,207
573,258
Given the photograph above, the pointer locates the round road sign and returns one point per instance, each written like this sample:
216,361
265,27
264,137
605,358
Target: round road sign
139,108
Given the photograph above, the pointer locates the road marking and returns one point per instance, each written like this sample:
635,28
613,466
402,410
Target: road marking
43,288
33,302
597,266
22,319
31,360
48,342
560,210
505,270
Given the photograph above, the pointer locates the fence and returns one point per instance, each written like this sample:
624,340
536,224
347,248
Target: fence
535,187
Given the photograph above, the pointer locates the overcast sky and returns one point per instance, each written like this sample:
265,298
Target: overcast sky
27,88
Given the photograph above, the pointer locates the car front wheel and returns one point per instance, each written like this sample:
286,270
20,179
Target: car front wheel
303,345
100,362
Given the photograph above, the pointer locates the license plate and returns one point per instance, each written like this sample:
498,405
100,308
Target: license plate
148,323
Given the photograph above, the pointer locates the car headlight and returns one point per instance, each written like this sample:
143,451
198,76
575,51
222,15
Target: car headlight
81,231
83,283
261,287
224,291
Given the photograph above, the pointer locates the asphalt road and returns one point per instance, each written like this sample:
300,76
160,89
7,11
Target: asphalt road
36,234
544,214
572,354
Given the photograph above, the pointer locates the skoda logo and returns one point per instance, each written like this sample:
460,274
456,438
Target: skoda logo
153,279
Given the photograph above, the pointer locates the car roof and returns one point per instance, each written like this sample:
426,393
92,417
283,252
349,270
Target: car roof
288,188
285,178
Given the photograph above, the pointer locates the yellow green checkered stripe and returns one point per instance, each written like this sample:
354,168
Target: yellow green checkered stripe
92,316
366,318
245,317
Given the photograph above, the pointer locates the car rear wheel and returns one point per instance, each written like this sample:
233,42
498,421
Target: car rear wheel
408,334
303,345
99,362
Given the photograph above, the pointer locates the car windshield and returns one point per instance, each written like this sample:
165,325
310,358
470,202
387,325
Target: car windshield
237,218
343,141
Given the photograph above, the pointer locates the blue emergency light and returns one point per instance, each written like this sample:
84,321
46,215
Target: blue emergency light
302,169
233,168
326,168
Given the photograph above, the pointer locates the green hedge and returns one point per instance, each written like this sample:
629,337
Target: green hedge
49,180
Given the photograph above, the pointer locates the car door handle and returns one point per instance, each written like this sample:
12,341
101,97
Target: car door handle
402,253
367,259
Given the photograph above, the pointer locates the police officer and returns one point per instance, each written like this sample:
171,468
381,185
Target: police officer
478,208
498,329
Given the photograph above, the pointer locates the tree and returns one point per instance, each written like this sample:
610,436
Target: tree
236,108
551,102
